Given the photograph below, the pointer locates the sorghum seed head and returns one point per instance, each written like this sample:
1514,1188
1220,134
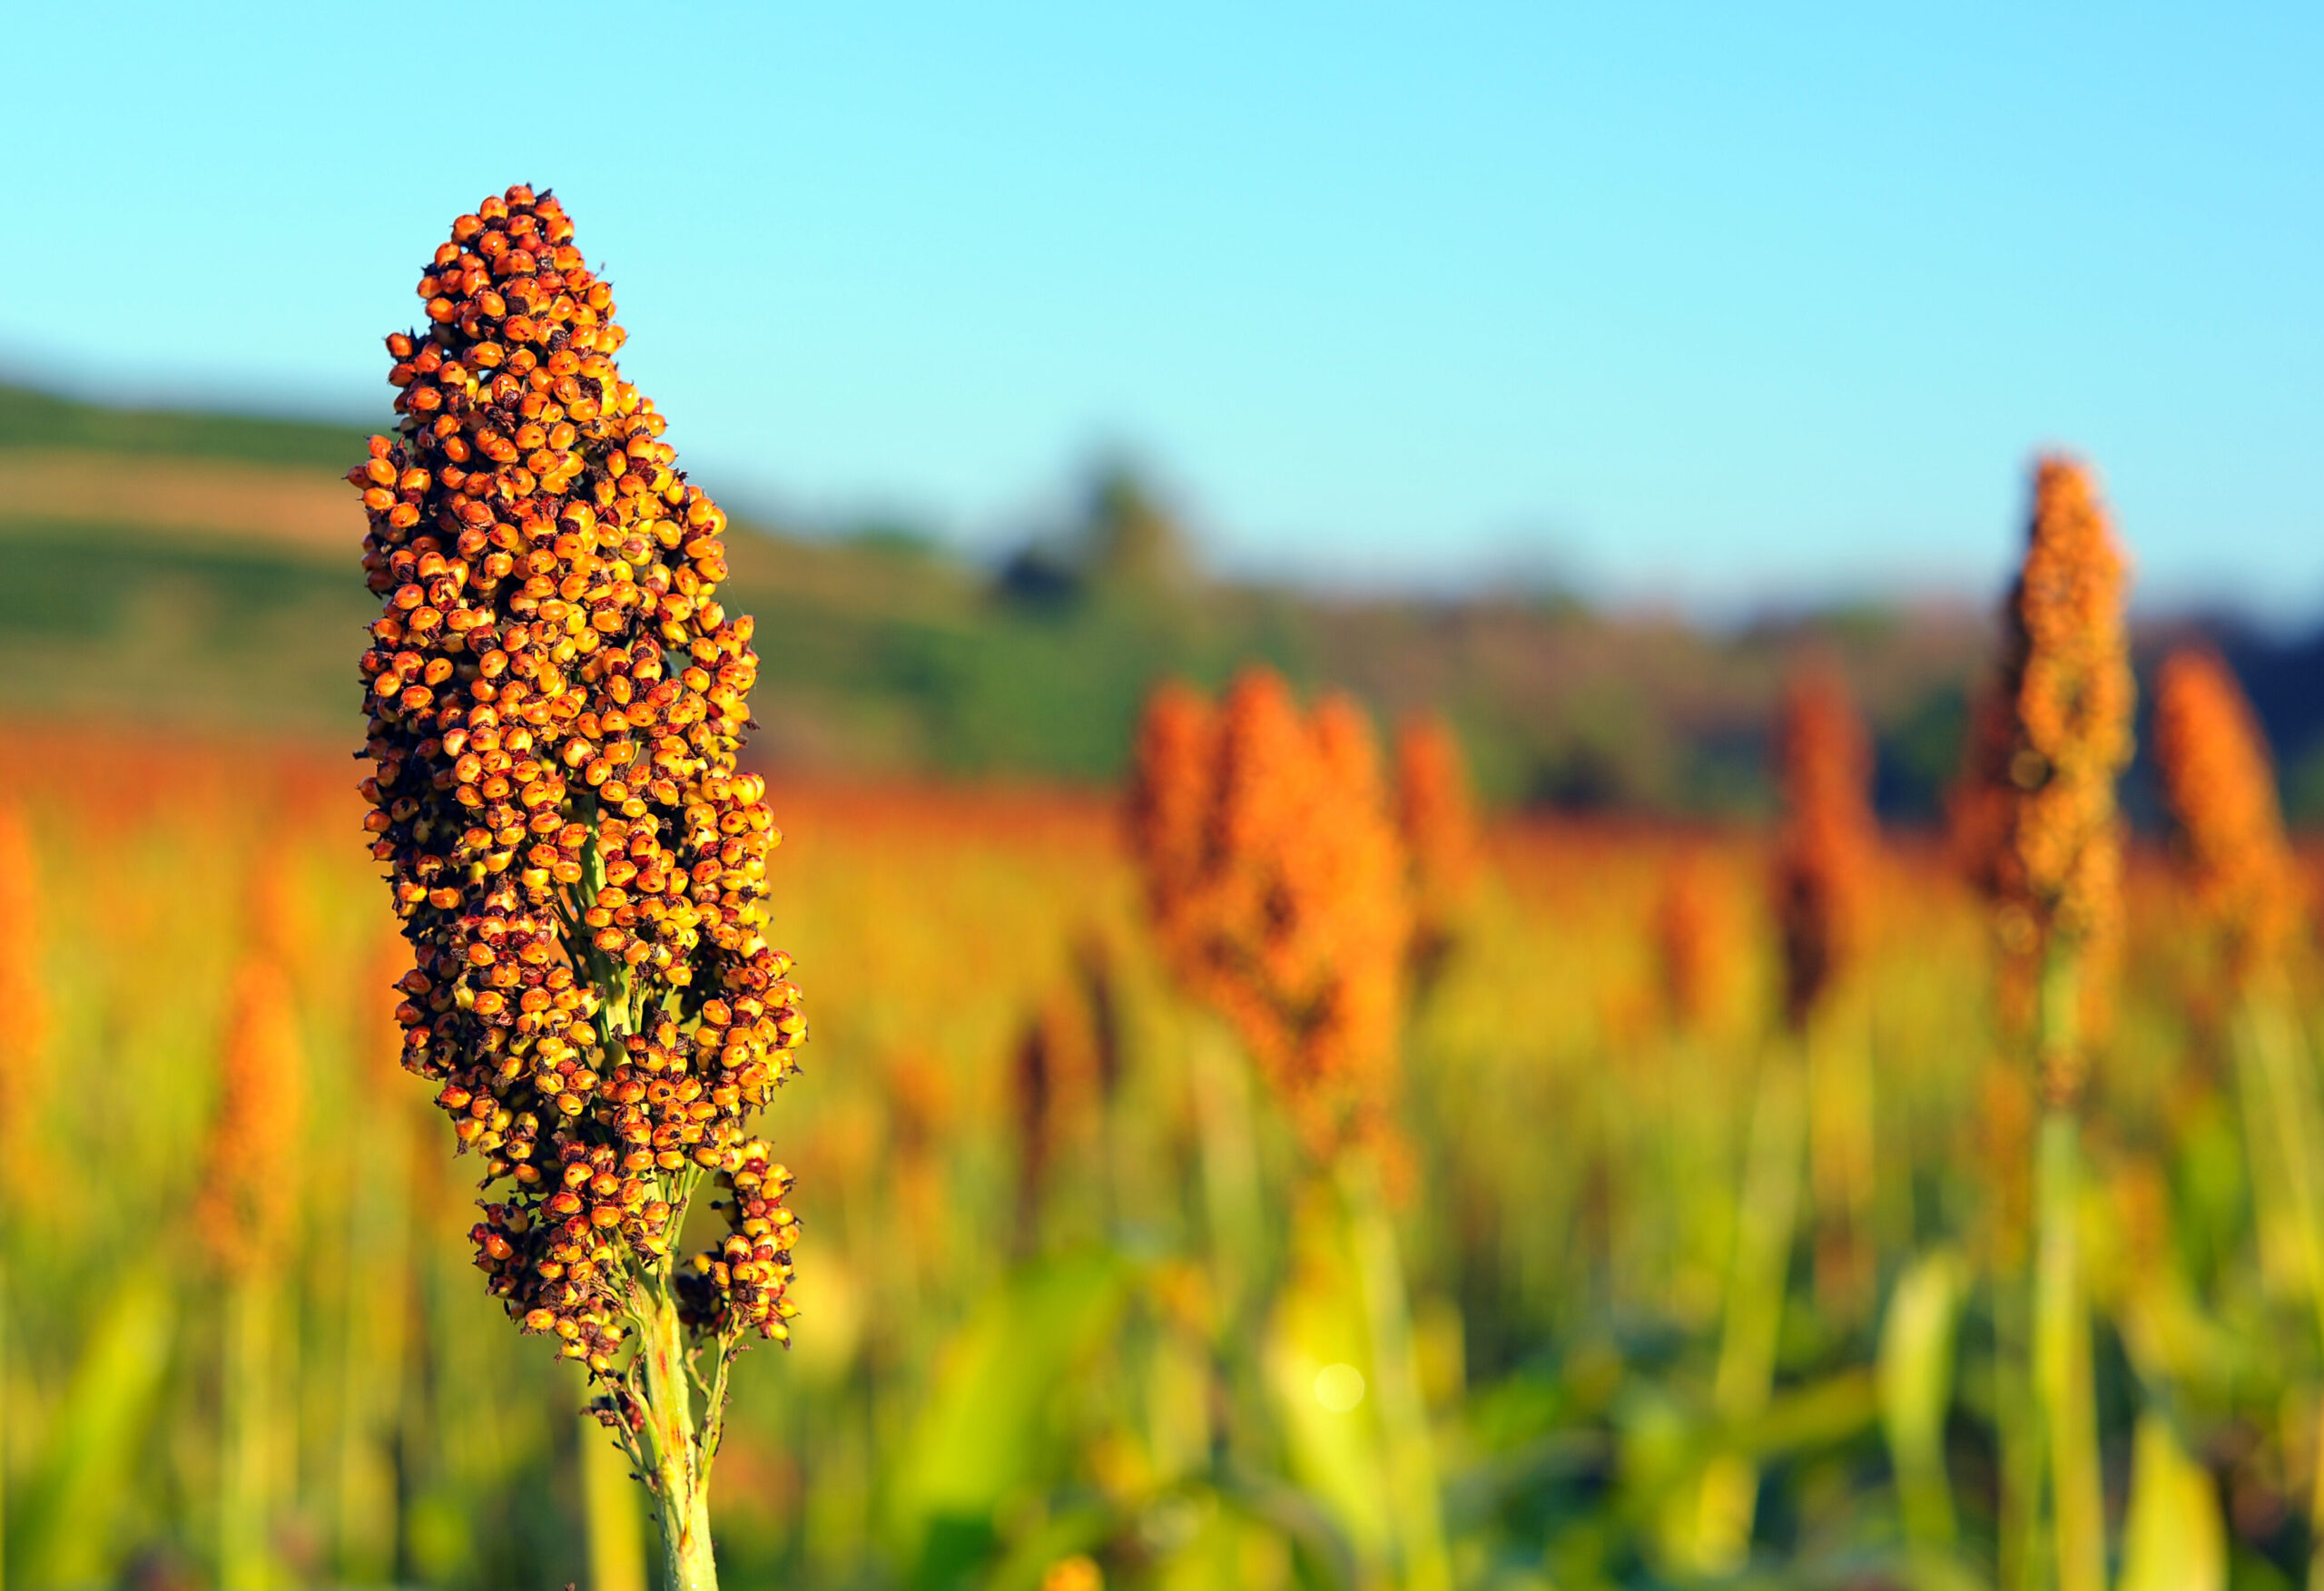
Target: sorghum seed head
1828,848
2220,788
557,697
248,1189
1698,940
24,997
2036,814
1277,886
1437,822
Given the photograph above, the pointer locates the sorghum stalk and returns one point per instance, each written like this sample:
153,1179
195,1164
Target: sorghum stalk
1766,1221
556,700
379,1247
2219,783
244,1210
1825,859
1276,885
2054,737
1685,1088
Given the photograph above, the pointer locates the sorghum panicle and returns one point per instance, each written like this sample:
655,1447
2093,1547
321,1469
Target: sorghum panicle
2037,813
249,1188
1437,822
24,1001
1696,944
23,992
1171,768
1828,852
2221,788
1278,889
558,696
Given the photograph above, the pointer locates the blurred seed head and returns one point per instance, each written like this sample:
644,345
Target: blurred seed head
24,1015
249,1184
2035,816
1828,850
1698,940
2219,786
1436,820
1276,887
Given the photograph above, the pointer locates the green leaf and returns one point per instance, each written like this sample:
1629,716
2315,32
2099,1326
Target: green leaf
64,1533
2174,1540
989,1429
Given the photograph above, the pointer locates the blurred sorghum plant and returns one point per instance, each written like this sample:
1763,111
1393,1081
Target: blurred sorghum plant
248,1183
1276,887
2220,789
23,1004
2036,814
1698,939
1829,846
1437,822
2043,837
557,699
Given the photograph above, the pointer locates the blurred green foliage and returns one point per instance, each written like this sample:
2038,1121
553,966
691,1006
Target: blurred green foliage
1103,1308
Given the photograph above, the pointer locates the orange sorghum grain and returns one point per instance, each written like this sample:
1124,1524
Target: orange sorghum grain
1277,886
2221,791
1827,850
248,1187
557,699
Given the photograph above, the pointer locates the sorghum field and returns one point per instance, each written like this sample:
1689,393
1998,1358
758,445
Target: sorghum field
1697,1293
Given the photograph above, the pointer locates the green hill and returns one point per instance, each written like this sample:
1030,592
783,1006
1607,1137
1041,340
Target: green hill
29,418
198,570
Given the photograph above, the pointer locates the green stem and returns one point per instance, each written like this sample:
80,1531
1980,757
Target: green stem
1841,1155
244,1473
2017,1431
372,1347
676,1465
2270,1037
2061,1368
3,1410
609,1506
1766,1222
2062,1371
1230,1174
1403,1412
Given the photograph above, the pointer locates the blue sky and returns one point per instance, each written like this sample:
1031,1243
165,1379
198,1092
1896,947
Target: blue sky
1712,304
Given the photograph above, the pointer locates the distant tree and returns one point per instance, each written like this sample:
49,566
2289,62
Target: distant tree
1130,540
